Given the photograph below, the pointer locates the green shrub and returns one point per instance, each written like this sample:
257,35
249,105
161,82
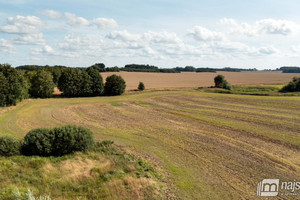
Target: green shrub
220,82
71,138
9,146
141,86
114,85
293,86
38,142
58,141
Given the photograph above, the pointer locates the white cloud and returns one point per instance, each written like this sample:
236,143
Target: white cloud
161,37
6,46
264,26
124,36
268,50
46,49
282,27
31,39
232,26
202,34
74,20
51,13
22,25
105,23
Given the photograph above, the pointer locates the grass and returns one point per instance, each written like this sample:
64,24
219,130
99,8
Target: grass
206,145
106,172
262,90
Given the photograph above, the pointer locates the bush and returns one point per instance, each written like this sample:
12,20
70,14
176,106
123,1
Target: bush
71,138
293,86
114,85
42,85
141,86
220,82
9,146
58,141
38,142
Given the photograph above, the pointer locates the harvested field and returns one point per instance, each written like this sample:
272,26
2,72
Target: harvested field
194,80
208,145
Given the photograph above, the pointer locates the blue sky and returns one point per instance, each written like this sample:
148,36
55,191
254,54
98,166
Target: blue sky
166,33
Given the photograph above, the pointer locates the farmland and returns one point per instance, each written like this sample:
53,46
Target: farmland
193,80
205,145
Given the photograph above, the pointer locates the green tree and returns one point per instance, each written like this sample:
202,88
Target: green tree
100,67
114,85
293,86
141,86
17,87
97,82
3,89
220,82
75,83
42,85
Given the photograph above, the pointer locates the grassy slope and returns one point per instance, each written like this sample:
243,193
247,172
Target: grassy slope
212,146
104,173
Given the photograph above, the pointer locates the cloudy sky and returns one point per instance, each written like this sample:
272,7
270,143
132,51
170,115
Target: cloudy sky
166,33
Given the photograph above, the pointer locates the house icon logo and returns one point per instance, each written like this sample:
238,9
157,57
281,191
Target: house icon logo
268,188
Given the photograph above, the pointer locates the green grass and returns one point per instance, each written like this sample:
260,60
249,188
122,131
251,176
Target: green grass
262,90
205,145
106,172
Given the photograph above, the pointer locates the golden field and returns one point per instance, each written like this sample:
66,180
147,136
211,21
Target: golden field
193,80
204,145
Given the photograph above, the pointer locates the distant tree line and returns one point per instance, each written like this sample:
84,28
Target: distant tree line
290,69
100,67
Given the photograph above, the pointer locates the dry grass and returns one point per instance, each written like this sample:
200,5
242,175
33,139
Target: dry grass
209,145
194,80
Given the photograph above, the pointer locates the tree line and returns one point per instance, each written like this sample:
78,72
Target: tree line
100,67
17,85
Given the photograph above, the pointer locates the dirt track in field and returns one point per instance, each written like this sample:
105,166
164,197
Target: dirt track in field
193,80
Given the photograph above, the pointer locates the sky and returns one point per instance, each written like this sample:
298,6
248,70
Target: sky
262,34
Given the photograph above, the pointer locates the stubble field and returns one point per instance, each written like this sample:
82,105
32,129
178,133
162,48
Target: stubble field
193,80
206,145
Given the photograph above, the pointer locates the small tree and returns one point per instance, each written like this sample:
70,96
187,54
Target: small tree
220,82
141,86
114,85
9,146
42,85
